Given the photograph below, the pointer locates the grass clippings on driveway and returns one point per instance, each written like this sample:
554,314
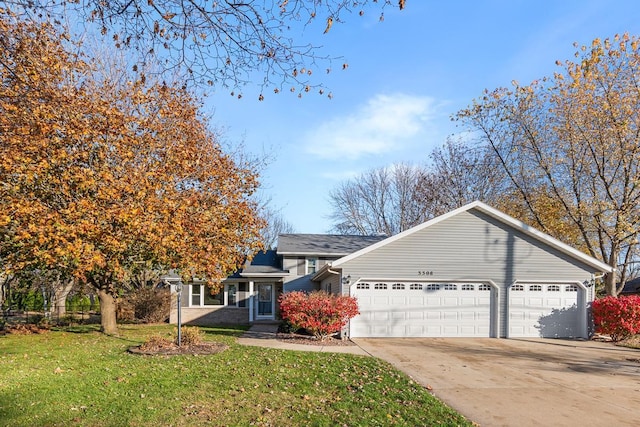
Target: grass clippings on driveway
82,377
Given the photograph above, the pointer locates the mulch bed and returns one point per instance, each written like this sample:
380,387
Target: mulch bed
174,350
311,340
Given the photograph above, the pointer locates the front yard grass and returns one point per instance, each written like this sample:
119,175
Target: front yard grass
81,377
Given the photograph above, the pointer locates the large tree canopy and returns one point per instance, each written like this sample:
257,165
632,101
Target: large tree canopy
571,141
224,43
99,175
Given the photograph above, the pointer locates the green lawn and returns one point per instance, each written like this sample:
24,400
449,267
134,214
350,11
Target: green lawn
82,377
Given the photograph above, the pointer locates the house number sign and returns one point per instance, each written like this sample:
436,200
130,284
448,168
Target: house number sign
425,273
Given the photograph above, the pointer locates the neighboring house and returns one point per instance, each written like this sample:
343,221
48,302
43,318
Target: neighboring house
631,287
473,272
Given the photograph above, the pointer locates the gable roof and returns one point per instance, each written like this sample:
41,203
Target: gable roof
263,263
496,214
323,244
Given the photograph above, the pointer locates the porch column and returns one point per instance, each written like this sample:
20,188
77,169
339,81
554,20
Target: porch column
251,298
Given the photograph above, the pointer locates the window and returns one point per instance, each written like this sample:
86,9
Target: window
398,286
415,286
450,287
216,299
535,288
196,294
571,288
362,286
468,287
231,295
201,295
433,286
312,265
242,296
553,288
484,288
517,288
380,286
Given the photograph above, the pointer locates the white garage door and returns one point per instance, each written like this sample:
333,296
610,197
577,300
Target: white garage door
403,309
543,310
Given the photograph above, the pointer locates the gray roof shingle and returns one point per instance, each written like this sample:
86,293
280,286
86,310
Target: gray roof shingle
323,244
262,262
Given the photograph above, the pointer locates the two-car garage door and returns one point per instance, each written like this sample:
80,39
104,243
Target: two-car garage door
414,309
425,309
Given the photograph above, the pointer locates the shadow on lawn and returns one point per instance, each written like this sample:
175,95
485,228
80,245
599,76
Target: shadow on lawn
77,329
229,331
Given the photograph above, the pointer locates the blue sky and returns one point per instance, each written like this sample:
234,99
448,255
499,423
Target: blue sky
406,77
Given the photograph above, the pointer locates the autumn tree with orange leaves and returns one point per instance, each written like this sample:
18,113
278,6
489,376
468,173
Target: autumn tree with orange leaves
97,176
570,146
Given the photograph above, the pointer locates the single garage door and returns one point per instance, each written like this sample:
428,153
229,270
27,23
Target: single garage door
412,309
548,310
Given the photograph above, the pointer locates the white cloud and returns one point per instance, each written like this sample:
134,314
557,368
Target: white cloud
384,124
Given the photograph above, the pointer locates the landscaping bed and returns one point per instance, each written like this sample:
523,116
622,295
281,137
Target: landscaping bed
306,339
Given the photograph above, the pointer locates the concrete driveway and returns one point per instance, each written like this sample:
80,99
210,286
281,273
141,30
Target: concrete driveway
517,382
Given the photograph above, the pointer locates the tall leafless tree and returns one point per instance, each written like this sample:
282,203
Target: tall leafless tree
459,174
380,201
276,224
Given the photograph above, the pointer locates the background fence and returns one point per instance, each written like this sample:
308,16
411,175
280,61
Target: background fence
36,311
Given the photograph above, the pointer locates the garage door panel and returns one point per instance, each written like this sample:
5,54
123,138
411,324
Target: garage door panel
543,310
415,312
381,301
401,301
450,301
398,315
380,316
433,315
467,315
415,315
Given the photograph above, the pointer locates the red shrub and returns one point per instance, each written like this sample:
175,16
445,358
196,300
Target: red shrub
320,313
618,317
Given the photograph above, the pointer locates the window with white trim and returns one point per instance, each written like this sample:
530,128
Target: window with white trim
201,295
450,287
468,287
362,286
415,286
232,296
433,286
380,286
553,288
571,288
535,288
312,265
484,287
517,288
398,286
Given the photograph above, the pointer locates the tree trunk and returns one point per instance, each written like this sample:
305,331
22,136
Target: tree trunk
60,293
108,323
610,287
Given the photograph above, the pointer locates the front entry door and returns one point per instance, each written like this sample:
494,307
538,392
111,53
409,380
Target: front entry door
265,300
